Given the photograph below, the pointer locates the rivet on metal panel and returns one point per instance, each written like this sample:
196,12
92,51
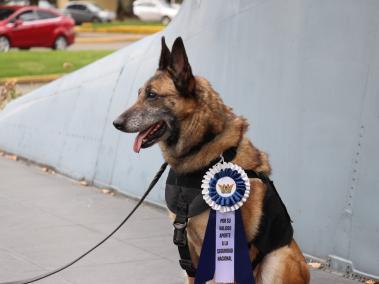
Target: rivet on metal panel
359,277
348,271
328,262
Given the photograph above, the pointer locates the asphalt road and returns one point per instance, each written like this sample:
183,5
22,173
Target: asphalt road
98,41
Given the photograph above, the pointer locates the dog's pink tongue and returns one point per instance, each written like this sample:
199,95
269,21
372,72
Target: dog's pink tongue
139,139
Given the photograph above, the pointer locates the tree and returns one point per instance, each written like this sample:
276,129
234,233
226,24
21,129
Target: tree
124,8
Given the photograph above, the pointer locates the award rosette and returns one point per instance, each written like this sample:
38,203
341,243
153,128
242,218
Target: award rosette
224,255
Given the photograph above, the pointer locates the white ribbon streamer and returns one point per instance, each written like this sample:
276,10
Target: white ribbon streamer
224,272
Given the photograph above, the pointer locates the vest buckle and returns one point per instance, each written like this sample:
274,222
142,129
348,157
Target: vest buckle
180,234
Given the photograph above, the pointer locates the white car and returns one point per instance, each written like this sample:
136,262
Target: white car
83,11
155,10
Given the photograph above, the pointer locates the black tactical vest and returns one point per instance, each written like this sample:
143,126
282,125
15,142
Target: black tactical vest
275,228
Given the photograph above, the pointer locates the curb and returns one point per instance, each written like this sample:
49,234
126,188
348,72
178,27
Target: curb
108,39
31,79
120,29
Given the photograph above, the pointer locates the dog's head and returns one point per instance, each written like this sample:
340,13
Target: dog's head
163,101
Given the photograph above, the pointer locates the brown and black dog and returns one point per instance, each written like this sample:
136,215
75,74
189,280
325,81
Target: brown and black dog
177,110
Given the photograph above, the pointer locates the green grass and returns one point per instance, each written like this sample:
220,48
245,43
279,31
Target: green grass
128,22
29,63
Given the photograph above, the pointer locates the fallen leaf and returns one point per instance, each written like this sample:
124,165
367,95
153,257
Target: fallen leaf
315,265
105,190
370,281
11,157
67,65
83,183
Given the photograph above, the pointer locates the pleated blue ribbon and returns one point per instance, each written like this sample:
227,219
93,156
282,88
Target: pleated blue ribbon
236,196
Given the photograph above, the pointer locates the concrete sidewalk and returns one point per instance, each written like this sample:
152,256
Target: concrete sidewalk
46,220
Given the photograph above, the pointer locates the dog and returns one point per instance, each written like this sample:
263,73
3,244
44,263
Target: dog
179,111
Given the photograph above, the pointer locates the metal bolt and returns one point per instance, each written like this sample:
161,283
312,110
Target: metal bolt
328,262
348,270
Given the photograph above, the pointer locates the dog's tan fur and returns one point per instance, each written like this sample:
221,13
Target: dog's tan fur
198,115
285,265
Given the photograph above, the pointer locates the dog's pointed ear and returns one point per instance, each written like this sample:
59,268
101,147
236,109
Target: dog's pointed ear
164,60
181,69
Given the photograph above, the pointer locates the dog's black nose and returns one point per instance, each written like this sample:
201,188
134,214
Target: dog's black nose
118,123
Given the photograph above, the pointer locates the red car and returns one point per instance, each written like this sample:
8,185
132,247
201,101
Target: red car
30,26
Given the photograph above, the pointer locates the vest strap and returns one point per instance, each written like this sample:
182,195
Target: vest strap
180,236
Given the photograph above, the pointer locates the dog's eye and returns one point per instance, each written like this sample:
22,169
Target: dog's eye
151,95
